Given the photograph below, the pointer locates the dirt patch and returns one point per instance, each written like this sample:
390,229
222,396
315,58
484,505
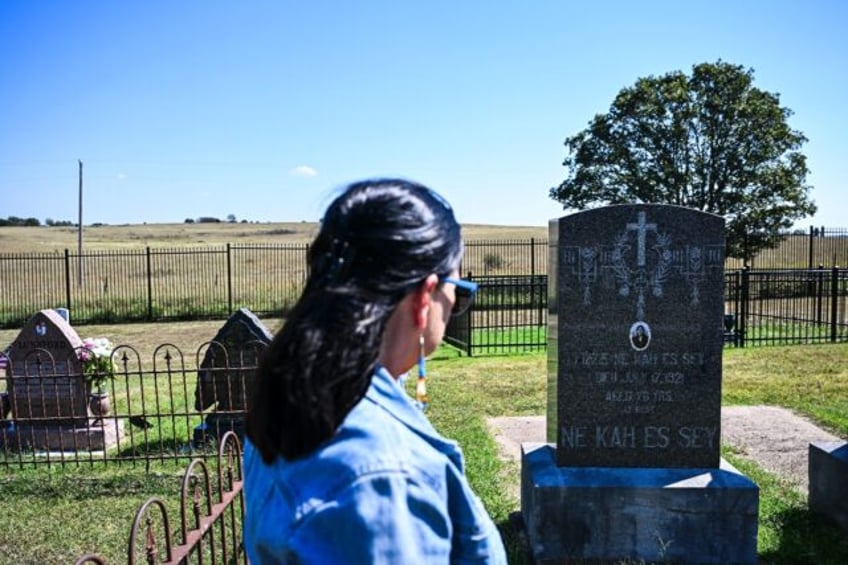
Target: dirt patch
775,438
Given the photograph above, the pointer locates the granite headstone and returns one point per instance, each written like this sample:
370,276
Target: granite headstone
828,484
46,383
639,339
226,372
632,467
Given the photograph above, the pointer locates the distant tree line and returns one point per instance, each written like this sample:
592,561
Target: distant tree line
50,222
231,219
59,223
16,221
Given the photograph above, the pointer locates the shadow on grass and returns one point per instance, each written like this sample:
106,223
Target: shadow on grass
514,537
807,538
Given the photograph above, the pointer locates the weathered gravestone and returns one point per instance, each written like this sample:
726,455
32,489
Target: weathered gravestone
46,384
5,406
225,377
48,396
828,473
634,395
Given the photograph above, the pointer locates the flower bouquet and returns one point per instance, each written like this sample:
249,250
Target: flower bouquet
96,358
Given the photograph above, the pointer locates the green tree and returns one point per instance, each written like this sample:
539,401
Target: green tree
709,141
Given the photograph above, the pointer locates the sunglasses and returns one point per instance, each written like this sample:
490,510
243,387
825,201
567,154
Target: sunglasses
465,291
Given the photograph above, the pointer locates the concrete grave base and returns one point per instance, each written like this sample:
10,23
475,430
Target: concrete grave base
97,437
216,425
828,468
605,514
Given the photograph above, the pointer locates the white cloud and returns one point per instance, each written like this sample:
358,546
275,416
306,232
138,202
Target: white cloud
303,171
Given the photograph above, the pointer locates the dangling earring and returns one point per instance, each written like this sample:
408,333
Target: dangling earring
421,387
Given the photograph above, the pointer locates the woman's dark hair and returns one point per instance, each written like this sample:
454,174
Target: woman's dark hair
378,240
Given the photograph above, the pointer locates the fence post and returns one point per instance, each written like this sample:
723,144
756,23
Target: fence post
737,307
543,293
741,323
819,295
532,271
229,282
149,288
470,314
67,279
810,262
532,256
834,293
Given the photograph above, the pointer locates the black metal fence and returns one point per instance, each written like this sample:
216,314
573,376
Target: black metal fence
787,306
509,315
212,282
762,307
486,258
149,284
820,247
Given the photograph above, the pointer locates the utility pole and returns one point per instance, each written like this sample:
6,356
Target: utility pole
79,230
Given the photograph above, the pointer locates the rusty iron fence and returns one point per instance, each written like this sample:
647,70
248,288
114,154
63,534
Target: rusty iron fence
164,408
210,520
212,282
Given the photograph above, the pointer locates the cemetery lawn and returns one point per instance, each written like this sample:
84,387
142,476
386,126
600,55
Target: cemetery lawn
54,515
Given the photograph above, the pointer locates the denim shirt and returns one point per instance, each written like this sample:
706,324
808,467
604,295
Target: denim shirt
387,488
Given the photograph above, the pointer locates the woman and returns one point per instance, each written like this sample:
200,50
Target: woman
341,466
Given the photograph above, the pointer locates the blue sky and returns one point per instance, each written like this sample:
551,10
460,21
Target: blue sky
262,109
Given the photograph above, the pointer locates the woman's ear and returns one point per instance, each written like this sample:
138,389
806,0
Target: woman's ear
421,302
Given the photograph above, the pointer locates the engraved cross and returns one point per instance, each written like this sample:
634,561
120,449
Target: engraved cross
641,228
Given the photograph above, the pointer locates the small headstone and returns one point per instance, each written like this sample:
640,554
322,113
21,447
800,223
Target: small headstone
46,383
5,405
226,372
828,472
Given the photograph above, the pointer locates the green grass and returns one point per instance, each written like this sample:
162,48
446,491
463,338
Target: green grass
61,513
810,379
776,330
508,340
788,532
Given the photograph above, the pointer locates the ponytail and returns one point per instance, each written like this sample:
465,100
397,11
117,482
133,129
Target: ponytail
378,240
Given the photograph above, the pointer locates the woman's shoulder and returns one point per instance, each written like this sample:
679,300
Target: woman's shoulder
369,440
371,443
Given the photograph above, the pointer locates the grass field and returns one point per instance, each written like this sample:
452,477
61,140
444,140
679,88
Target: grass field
20,239
61,513
793,252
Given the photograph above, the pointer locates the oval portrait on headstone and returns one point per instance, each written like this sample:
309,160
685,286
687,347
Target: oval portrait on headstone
640,336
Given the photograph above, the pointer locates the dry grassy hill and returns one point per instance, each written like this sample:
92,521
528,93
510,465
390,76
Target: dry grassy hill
52,239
